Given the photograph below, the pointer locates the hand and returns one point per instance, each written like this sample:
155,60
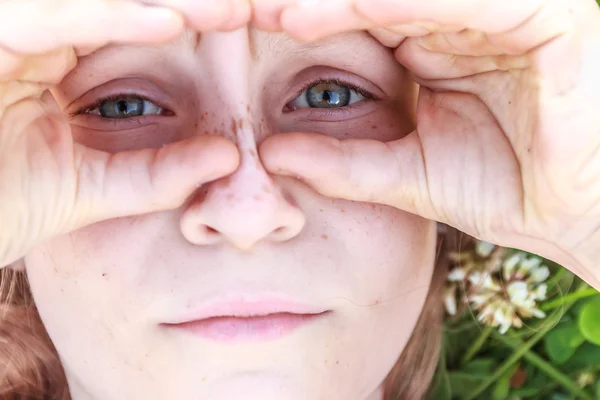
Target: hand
507,141
50,185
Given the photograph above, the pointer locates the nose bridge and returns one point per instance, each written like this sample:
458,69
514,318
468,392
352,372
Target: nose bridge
248,206
228,57
250,186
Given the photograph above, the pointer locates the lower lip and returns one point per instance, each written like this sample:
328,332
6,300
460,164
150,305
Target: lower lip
232,329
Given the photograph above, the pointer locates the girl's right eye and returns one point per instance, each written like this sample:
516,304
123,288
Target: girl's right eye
124,107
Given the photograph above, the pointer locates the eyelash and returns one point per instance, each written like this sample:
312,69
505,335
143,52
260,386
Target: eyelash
119,96
338,82
367,95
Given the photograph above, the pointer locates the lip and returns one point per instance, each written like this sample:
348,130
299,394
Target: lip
240,319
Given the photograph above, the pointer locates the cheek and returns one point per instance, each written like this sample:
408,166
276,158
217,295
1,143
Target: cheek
394,250
390,269
85,269
387,122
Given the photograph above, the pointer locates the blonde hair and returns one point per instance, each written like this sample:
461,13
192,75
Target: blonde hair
31,369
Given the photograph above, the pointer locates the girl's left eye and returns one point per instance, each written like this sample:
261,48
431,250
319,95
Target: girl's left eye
124,106
327,94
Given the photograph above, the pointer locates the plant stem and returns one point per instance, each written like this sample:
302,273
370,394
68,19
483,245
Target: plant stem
476,345
557,277
551,321
545,367
569,298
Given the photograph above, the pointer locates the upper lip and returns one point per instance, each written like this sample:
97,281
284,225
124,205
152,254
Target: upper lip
246,306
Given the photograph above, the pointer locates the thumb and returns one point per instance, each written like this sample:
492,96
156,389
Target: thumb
390,173
149,180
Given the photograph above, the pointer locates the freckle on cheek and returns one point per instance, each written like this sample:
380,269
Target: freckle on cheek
324,236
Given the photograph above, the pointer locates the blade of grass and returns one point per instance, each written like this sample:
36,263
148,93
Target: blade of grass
569,298
545,367
476,345
550,322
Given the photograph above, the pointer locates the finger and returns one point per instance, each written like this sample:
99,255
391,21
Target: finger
388,38
312,20
431,65
354,169
9,61
51,25
149,180
57,64
485,15
266,14
210,15
434,172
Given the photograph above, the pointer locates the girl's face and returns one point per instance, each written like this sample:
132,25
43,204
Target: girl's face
107,293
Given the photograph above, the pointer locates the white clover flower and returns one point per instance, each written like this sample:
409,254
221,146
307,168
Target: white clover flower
457,274
484,281
450,299
586,378
503,288
484,249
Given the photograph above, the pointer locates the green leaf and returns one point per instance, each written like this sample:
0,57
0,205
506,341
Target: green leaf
562,342
589,321
462,383
586,355
480,367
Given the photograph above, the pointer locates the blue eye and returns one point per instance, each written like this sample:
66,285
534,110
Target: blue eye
326,95
124,106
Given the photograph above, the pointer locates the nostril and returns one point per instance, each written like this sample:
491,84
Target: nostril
210,230
280,232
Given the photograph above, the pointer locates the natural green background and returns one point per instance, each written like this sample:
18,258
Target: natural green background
555,358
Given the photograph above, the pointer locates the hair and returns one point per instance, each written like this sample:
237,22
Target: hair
30,367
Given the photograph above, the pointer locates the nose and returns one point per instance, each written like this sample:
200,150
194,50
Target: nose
244,209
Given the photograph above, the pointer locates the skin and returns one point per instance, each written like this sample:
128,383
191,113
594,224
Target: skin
507,139
103,290
542,54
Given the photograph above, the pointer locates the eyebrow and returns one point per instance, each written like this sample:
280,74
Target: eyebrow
274,43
